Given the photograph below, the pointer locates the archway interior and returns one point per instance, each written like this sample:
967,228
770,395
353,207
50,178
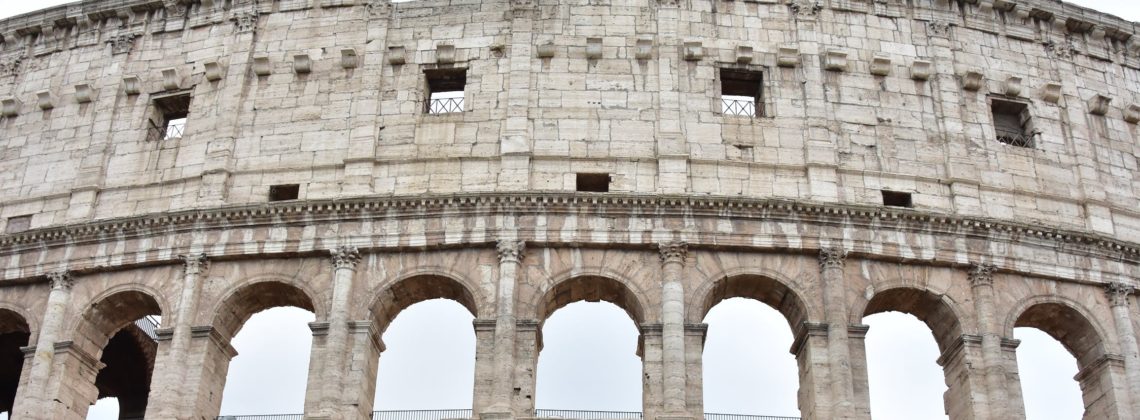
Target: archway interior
429,358
1075,334
14,333
1046,370
268,323
747,366
928,313
902,371
121,326
589,355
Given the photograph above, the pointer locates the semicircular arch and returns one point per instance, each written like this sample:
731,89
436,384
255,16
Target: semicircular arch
424,283
767,286
245,298
937,310
111,310
591,284
14,318
1066,321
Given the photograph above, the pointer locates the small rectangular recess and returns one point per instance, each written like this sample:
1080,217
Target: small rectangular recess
284,192
18,224
593,182
741,92
897,199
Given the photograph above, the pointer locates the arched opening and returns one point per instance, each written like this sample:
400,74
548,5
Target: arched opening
1047,370
428,360
902,370
753,372
268,323
747,366
1081,339
14,333
902,322
589,356
121,327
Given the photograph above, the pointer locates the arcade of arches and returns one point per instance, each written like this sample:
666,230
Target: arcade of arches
79,343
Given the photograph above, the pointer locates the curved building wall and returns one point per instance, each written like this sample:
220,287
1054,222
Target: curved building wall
871,178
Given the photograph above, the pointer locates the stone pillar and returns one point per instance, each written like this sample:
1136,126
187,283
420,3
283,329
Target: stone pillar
1016,406
673,328
484,364
166,390
510,259
1105,389
207,360
962,364
996,401
857,343
326,396
838,350
358,381
1118,296
70,390
529,344
810,349
652,389
32,400
694,368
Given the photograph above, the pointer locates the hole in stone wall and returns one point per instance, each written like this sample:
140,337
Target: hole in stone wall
740,92
445,90
168,120
588,182
1012,124
897,199
284,192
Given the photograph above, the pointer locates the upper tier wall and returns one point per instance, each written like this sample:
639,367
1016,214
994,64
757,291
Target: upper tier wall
329,94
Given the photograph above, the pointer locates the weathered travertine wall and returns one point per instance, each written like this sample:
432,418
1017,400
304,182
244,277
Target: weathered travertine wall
397,206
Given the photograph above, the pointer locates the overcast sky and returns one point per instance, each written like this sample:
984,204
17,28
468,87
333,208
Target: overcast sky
589,360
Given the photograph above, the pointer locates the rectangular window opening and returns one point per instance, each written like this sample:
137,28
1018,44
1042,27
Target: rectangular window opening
18,224
283,192
168,121
1012,123
593,182
897,199
741,92
445,90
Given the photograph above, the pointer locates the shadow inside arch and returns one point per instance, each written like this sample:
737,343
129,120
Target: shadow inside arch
765,289
250,299
1069,326
415,289
14,334
591,288
930,308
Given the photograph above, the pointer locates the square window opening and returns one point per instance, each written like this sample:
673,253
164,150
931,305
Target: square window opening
283,192
445,90
741,92
168,121
1012,124
593,182
897,199
18,224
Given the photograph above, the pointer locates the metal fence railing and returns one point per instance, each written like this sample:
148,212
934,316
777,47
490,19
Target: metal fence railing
148,326
741,107
463,414
445,105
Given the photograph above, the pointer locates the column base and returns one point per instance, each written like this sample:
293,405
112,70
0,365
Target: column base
675,417
496,415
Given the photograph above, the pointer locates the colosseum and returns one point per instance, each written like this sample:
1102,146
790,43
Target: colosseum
970,162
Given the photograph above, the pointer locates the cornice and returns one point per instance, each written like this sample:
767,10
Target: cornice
525,203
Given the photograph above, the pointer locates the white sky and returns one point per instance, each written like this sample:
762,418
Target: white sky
589,361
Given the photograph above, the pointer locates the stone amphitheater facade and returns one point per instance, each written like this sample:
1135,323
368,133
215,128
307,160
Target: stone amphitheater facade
592,153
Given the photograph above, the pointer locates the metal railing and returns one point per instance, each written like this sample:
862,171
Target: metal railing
740,107
463,414
1016,139
445,105
173,130
147,325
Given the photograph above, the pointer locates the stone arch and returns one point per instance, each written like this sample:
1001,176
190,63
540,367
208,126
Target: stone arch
770,288
112,310
592,285
244,299
937,310
420,285
1065,320
15,332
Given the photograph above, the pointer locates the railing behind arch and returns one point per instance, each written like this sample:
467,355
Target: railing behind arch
461,414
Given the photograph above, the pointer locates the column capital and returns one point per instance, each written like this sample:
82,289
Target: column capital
981,275
832,257
1118,293
344,257
673,251
510,250
61,280
195,263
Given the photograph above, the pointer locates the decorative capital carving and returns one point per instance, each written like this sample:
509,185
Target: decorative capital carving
937,28
122,43
61,280
195,263
378,8
832,257
1118,293
345,257
981,275
10,66
674,251
804,8
510,250
245,20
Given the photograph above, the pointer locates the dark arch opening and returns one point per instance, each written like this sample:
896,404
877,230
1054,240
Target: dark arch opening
14,333
1081,339
121,326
